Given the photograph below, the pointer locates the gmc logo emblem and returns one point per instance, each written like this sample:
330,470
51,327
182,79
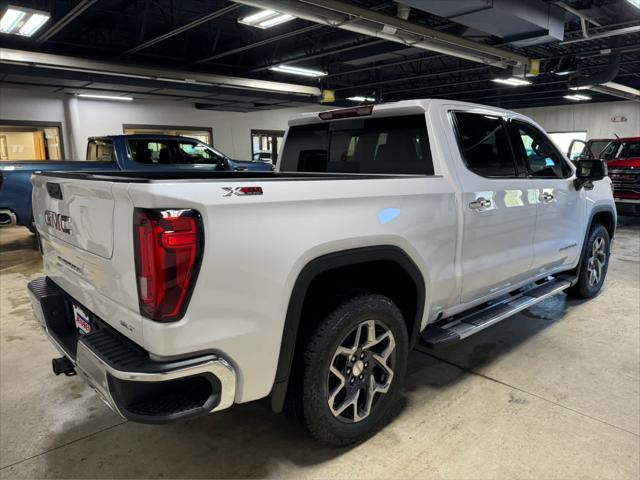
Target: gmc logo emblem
58,221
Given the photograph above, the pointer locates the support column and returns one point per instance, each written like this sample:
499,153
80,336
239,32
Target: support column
76,145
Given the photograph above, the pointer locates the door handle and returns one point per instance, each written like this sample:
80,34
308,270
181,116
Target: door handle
480,204
546,197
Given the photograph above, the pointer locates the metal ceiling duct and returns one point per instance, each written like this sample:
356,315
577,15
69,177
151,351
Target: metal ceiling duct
521,23
602,81
61,62
603,76
366,22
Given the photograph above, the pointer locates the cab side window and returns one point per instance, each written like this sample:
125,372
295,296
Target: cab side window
540,156
484,144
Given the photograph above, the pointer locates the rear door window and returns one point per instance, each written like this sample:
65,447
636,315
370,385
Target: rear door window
150,151
391,145
484,144
100,150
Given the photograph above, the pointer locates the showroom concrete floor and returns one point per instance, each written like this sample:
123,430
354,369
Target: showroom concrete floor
550,393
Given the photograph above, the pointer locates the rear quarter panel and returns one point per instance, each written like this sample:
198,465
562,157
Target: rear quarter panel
256,246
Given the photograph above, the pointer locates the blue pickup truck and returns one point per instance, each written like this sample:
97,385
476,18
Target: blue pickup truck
160,153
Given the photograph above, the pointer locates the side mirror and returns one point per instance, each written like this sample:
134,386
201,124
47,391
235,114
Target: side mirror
589,170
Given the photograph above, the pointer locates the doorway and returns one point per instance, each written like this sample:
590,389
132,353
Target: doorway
265,145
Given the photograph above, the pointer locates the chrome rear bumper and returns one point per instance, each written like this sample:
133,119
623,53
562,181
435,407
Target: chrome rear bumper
151,393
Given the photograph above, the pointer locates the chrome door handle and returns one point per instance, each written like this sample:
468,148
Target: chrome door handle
480,204
546,197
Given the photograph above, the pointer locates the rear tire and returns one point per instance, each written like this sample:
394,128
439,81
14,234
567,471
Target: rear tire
353,372
593,265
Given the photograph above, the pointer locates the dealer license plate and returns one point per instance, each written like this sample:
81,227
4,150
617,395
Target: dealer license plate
83,322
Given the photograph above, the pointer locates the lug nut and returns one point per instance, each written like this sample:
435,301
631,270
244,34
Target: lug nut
366,364
352,380
362,355
348,371
353,359
361,376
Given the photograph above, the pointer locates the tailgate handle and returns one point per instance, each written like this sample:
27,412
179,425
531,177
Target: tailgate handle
54,190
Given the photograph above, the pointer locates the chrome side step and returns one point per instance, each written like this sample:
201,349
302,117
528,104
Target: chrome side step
466,324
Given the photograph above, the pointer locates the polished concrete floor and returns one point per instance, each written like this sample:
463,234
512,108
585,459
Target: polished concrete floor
550,393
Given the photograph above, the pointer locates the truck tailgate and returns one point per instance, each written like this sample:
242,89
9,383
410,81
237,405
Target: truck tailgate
86,232
76,212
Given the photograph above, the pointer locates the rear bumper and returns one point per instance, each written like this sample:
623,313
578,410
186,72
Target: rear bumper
7,218
122,373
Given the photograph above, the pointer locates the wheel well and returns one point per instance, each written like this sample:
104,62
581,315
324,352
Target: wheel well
606,220
332,279
333,287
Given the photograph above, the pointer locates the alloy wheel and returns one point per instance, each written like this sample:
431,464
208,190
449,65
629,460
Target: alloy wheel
361,370
596,261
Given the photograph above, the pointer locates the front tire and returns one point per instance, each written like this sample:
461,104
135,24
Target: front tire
594,264
354,368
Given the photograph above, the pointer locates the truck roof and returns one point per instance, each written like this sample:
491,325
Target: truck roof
145,136
399,108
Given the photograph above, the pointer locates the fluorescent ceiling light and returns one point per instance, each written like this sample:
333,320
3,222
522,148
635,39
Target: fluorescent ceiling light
105,97
577,97
635,3
266,19
276,21
32,25
586,87
513,81
361,99
305,72
22,21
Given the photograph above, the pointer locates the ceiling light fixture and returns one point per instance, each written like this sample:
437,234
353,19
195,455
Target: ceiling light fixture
635,3
577,97
305,72
266,19
104,97
513,81
361,99
22,21
585,87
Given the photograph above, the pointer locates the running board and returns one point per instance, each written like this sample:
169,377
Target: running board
464,325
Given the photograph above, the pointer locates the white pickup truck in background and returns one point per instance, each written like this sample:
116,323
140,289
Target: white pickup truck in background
176,295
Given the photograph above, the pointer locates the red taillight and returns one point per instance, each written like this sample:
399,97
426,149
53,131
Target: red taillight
347,113
168,249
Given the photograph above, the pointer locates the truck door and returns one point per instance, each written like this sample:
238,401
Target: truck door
560,214
498,212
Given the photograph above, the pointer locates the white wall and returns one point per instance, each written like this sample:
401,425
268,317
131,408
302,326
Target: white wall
231,130
594,118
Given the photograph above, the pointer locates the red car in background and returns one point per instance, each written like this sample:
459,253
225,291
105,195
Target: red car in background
623,161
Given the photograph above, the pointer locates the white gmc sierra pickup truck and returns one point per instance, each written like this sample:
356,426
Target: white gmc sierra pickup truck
176,295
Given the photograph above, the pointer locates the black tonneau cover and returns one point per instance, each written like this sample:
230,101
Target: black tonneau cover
159,177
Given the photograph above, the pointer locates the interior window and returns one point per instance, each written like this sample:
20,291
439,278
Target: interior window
21,141
485,145
541,157
393,145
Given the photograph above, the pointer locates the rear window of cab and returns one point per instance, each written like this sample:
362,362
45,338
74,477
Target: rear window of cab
388,145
